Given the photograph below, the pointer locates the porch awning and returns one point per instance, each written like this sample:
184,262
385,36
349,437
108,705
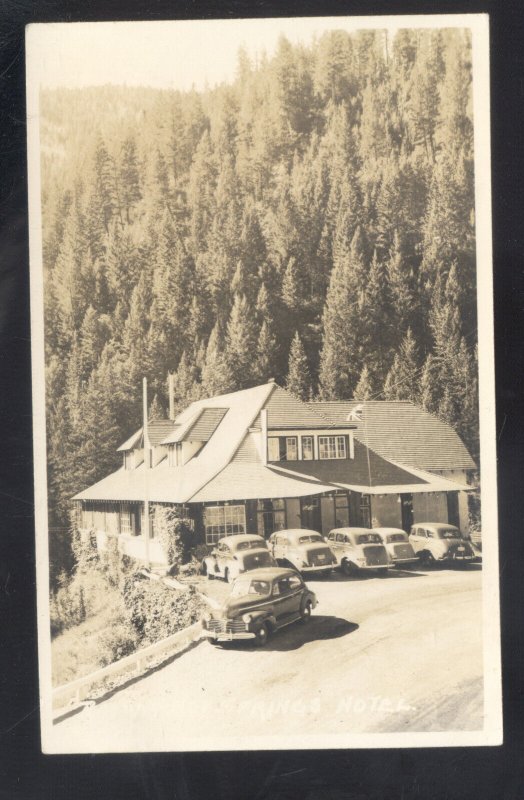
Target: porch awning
240,481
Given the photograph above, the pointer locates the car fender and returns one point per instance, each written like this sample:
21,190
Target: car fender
309,596
211,564
263,616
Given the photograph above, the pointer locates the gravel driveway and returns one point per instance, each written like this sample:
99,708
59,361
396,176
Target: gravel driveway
400,653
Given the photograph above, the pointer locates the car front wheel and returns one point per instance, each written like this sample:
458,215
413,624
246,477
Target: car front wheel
261,635
305,614
348,568
426,559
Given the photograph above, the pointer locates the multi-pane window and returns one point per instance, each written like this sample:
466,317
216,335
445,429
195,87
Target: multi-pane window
126,525
342,510
174,454
365,511
271,516
282,448
307,448
331,447
221,521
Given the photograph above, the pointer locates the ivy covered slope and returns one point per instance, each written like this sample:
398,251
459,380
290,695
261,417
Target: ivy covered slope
311,222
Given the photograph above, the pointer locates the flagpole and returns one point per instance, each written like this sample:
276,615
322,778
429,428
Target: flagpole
147,464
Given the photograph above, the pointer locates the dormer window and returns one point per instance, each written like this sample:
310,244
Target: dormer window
175,454
307,448
332,447
282,448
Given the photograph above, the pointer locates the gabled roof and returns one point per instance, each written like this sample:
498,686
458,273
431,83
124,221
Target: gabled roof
179,484
286,411
158,430
206,424
401,431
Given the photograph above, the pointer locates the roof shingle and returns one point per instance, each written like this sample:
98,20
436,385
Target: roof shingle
403,432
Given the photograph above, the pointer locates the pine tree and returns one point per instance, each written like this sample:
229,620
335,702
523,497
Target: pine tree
403,379
364,390
298,380
131,192
340,361
216,377
241,342
156,410
266,355
377,323
105,183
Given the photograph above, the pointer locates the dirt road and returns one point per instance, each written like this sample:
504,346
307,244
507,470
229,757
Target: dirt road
401,653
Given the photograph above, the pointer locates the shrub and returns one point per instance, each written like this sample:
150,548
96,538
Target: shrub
174,534
67,605
155,611
116,642
85,549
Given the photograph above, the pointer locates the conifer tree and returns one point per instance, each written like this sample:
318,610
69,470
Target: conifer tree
241,342
156,410
298,380
216,377
131,191
364,389
403,379
266,355
340,363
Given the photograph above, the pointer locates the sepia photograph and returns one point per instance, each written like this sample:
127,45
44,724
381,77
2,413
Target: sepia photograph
263,384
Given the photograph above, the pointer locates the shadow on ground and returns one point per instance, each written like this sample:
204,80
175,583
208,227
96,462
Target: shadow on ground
320,627
339,577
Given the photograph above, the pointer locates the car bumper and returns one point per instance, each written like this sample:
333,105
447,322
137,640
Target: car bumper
457,557
374,566
224,636
395,561
318,568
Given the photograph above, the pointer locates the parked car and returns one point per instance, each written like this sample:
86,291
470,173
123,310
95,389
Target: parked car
398,547
302,549
236,554
358,549
261,602
439,542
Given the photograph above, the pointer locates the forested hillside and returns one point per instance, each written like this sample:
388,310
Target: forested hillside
311,222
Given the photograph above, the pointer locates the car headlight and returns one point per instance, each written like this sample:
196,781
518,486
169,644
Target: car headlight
361,560
247,618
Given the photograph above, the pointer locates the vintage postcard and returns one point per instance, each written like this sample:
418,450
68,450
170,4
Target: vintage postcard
263,373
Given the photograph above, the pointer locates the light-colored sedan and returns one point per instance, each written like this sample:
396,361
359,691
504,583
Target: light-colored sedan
440,542
236,554
302,549
358,549
398,546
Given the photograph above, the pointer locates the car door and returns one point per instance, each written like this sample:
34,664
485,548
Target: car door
418,538
335,541
223,557
279,547
284,599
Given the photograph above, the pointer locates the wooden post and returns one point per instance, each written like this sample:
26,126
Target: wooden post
171,393
147,464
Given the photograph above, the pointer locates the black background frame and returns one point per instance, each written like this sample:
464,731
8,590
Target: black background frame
432,773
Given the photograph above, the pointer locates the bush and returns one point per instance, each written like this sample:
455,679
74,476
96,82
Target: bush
175,536
85,549
116,642
155,611
67,606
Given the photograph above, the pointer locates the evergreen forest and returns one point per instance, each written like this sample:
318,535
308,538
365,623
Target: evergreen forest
311,222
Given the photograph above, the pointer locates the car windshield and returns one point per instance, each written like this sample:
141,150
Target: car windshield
311,537
395,537
369,538
449,533
252,545
243,586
